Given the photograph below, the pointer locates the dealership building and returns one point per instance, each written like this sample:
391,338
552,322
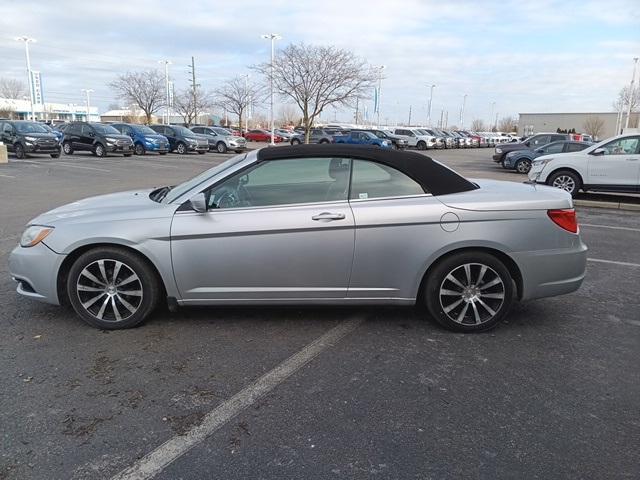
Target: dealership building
21,109
531,123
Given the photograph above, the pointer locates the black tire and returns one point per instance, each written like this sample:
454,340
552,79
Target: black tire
394,146
566,180
523,166
99,150
421,145
55,155
162,153
181,148
323,141
295,141
201,152
221,147
67,148
462,314
146,283
139,149
20,153
127,155
239,151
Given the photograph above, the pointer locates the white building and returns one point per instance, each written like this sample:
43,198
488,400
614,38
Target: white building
47,111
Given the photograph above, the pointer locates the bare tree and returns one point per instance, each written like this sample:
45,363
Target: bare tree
190,104
477,125
236,96
507,124
288,114
8,111
593,126
316,77
12,88
623,99
145,90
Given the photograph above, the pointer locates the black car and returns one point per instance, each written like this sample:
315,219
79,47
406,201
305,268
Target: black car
181,139
98,138
24,137
530,143
396,140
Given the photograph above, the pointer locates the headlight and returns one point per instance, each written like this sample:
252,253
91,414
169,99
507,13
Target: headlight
31,139
34,234
542,162
192,140
498,150
110,140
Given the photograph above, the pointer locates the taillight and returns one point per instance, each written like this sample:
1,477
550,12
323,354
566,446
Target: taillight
566,219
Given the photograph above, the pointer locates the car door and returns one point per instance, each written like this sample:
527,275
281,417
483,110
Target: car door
281,230
397,228
616,165
86,138
6,135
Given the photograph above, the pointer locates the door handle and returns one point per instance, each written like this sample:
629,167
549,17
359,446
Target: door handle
328,216
632,159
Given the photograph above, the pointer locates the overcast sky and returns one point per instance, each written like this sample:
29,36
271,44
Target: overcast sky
541,56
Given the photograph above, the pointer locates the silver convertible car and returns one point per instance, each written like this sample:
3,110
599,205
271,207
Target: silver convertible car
308,224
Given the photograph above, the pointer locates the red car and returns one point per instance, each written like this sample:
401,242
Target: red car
261,136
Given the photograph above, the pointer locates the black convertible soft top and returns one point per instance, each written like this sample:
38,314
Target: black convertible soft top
434,177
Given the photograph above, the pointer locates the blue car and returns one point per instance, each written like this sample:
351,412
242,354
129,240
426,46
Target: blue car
144,139
362,138
59,135
520,160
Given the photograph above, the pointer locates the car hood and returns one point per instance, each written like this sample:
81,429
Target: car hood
156,136
499,195
118,136
509,147
52,136
111,207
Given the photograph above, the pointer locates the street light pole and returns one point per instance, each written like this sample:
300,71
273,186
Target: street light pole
246,104
493,106
26,41
88,92
166,87
380,69
464,101
273,37
633,79
430,102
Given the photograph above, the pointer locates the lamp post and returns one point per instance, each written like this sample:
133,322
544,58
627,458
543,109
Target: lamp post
273,37
246,104
27,41
430,102
166,88
464,101
380,69
493,106
633,79
88,92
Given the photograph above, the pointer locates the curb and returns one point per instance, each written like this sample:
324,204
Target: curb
611,205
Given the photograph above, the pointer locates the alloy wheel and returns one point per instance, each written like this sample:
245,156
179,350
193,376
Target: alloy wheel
472,294
66,148
181,149
565,182
523,166
109,290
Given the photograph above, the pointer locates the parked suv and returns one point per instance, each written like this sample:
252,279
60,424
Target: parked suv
97,138
396,141
317,135
416,138
520,160
181,139
530,143
221,140
144,139
23,138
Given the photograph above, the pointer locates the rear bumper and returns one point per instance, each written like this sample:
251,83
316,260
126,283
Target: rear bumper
548,273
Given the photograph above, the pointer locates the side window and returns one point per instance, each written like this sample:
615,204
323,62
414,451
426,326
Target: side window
575,147
622,146
539,141
375,180
86,130
553,148
169,131
6,128
284,182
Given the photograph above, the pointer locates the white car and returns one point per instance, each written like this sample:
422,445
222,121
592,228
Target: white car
416,138
612,165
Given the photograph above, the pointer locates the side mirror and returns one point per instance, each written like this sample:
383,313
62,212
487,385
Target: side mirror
199,202
599,151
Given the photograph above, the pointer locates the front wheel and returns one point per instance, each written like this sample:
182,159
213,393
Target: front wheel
421,145
67,148
20,153
181,148
139,149
221,147
566,180
295,141
523,166
111,288
469,292
100,151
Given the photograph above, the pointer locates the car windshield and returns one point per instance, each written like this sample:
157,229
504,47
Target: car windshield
184,131
222,131
30,127
181,189
144,130
105,129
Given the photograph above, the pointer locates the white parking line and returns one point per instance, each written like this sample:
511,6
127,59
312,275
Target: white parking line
6,176
624,264
591,225
83,167
157,460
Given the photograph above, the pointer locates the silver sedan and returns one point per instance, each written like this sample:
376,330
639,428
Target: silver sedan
323,224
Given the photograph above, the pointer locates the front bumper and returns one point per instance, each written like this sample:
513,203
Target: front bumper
30,147
547,273
115,148
36,270
155,147
498,157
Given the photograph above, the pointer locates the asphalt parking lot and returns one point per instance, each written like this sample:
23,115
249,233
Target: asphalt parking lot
317,393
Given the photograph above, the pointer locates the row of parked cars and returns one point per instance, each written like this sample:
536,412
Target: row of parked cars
24,137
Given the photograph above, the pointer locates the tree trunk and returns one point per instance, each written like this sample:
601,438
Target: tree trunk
148,116
307,128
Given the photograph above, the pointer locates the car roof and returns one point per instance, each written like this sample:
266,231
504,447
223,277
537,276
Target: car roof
433,176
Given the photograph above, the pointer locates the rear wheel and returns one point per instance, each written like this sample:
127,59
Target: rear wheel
111,288
295,141
421,145
469,292
67,148
55,155
20,153
523,166
565,180
324,140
